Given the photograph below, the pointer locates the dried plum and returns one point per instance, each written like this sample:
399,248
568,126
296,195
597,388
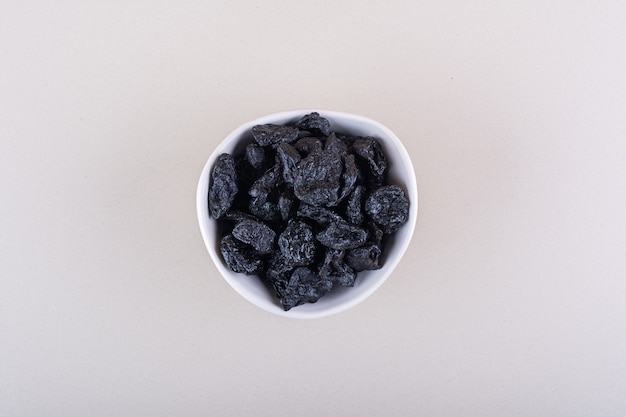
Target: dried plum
240,257
335,269
370,150
273,135
285,204
363,258
388,207
255,155
304,286
314,123
349,176
318,178
297,243
335,143
307,145
256,234
321,215
223,188
341,235
289,158
262,205
354,208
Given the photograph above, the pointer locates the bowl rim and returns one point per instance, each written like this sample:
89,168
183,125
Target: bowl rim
385,271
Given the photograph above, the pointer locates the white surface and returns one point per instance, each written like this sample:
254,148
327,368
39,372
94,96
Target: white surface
400,172
510,302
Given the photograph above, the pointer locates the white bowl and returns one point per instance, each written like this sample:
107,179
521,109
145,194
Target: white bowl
367,282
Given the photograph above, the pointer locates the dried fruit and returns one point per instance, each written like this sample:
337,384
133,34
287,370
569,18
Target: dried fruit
388,207
297,243
256,234
255,155
273,135
240,257
354,208
314,123
223,188
341,235
304,286
318,178
371,152
335,269
363,258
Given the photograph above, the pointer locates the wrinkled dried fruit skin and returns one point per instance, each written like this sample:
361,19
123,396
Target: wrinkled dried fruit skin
278,272
285,205
273,135
370,151
255,155
354,208
237,216
240,257
307,145
289,159
388,207
318,178
304,286
363,258
335,143
375,234
256,234
223,188
314,123
342,235
261,203
349,177
334,268
304,208
297,243
321,215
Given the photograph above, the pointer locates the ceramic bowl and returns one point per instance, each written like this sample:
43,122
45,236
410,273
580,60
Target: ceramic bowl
400,172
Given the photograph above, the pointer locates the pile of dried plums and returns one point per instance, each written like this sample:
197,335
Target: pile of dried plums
305,208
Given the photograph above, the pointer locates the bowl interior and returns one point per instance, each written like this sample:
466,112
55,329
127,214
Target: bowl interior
340,298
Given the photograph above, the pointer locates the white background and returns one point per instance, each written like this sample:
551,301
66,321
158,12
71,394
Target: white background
511,300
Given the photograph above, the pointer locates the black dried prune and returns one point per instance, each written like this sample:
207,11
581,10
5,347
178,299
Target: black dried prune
285,204
261,192
370,150
272,135
375,234
335,143
237,216
354,208
321,215
297,243
349,176
289,158
278,273
363,258
256,234
304,286
307,145
341,235
314,123
255,155
335,269
318,178
388,207
223,188
240,257
266,183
